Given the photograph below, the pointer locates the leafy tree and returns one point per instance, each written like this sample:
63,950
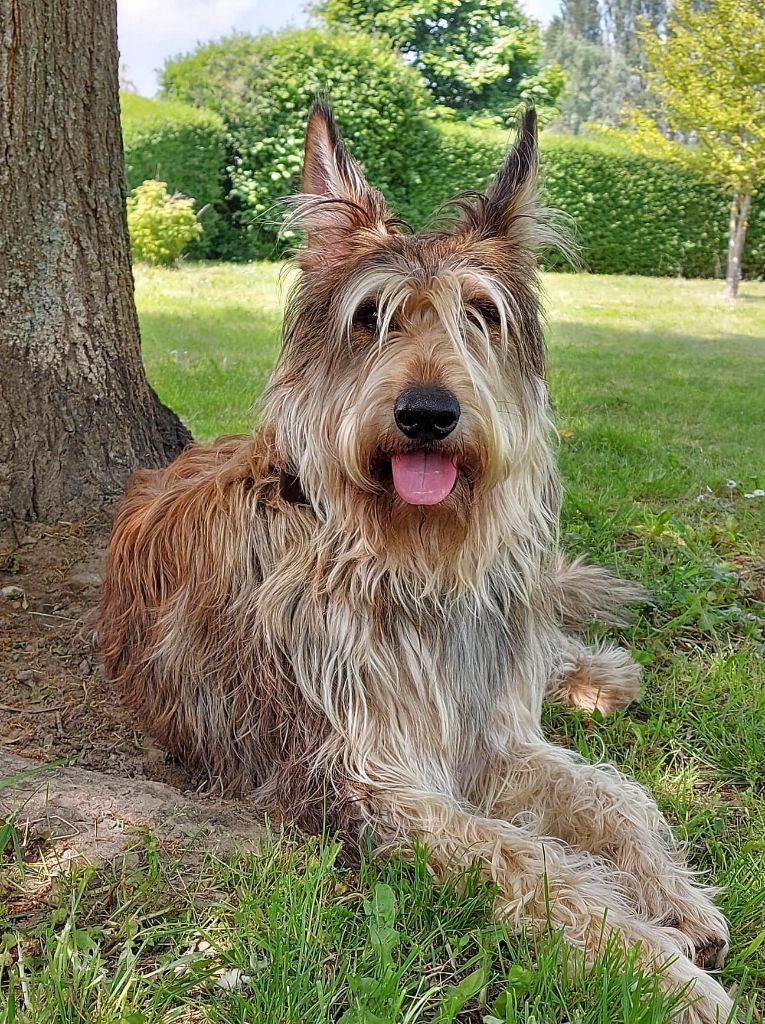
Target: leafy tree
622,20
476,56
705,77
581,18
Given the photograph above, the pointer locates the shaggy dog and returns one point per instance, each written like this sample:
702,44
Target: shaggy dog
353,616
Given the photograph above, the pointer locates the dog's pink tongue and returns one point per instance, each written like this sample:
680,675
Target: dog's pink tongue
423,478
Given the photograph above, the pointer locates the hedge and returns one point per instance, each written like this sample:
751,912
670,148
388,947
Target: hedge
185,147
631,214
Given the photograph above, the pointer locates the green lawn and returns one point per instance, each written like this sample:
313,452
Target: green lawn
659,387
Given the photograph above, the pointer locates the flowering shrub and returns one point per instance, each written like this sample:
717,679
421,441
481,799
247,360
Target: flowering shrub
161,226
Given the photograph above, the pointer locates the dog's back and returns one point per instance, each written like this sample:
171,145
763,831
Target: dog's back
178,626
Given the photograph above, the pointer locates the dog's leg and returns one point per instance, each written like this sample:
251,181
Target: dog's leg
596,809
543,883
604,677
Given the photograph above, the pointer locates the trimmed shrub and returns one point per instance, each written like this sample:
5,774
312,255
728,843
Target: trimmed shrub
263,86
161,226
631,214
184,147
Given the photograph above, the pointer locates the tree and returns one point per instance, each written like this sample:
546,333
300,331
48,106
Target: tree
622,20
705,78
76,412
597,79
476,56
581,18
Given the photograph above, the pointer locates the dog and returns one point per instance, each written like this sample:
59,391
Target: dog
353,616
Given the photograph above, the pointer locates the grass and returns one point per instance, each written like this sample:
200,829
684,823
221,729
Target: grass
658,386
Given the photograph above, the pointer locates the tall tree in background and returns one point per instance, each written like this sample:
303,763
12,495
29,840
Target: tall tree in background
597,78
476,56
705,77
622,20
581,18
76,412
597,44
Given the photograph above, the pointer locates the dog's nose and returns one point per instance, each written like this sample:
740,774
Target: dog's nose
426,414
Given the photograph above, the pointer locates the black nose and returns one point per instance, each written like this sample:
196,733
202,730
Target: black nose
426,414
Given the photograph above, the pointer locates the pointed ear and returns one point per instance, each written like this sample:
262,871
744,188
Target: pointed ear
337,201
507,209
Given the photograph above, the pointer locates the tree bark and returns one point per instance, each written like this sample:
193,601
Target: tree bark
739,219
76,412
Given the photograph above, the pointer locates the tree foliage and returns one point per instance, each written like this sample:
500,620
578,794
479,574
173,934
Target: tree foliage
705,80
581,18
476,56
597,78
622,20
707,84
597,44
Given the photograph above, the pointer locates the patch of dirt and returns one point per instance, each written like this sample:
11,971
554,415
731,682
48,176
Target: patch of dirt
66,814
54,700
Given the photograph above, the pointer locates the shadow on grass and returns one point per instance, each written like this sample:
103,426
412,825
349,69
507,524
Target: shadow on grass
211,368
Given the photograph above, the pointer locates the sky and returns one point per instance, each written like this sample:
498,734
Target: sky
151,30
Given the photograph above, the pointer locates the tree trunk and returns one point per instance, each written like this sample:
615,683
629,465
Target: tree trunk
739,219
76,412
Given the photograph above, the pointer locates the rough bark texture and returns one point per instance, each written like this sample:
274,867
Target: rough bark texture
739,220
76,412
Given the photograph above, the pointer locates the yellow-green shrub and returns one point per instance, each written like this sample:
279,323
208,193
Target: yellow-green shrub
161,226
185,147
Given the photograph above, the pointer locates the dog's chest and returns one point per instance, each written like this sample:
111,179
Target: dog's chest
455,666
474,656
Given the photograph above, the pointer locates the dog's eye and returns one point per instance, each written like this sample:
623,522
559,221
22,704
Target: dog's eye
366,317
486,312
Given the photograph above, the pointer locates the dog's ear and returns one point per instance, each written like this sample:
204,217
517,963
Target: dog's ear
507,208
337,201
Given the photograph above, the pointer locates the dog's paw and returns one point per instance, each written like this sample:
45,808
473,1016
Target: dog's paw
707,1002
707,931
704,1000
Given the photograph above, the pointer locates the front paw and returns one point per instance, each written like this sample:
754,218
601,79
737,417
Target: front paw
706,930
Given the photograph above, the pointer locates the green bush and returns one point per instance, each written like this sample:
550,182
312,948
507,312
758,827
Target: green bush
185,147
161,226
630,214
636,215
263,88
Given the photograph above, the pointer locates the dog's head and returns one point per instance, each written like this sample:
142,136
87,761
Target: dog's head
411,382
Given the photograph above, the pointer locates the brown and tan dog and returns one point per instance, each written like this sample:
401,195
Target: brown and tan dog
354,615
